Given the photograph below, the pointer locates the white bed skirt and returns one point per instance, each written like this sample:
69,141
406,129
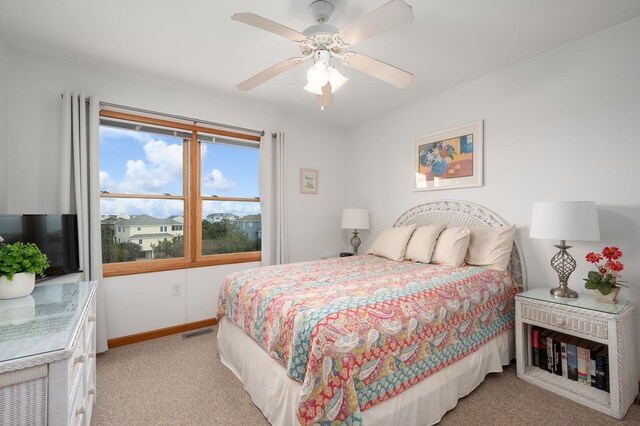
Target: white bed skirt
276,395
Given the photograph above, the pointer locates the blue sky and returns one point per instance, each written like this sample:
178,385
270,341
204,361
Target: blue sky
144,163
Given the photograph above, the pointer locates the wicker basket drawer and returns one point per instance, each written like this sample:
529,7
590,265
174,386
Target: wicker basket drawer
23,396
566,321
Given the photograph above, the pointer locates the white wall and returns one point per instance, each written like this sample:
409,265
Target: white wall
144,302
4,65
562,126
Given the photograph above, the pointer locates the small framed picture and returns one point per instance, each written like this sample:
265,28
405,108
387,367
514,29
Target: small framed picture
309,181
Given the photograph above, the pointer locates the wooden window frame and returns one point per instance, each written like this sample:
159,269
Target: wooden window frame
192,199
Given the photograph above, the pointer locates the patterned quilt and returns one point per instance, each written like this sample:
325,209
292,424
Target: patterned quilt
356,331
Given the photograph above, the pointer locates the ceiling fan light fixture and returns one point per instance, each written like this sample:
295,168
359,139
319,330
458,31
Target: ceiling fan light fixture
312,88
336,79
317,74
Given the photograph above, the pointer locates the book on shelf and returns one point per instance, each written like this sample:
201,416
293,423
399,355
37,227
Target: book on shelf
557,353
535,340
563,356
542,349
572,358
550,350
594,348
601,373
584,361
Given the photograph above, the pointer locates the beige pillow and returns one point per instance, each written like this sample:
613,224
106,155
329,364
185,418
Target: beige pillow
422,243
491,246
392,243
451,247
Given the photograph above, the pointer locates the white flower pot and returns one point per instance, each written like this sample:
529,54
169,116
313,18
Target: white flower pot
609,298
21,285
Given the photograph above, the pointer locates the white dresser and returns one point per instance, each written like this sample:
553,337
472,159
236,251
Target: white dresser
48,356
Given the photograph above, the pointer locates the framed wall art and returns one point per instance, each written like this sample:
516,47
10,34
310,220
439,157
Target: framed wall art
449,159
309,181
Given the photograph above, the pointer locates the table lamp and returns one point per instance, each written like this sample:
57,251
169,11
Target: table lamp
565,220
355,219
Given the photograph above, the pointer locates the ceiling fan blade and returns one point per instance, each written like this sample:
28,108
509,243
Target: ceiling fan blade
378,69
326,99
384,18
268,74
268,25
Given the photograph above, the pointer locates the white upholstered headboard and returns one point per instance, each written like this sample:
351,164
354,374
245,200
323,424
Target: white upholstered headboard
461,213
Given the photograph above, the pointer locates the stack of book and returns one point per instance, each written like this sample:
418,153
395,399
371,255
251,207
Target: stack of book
580,360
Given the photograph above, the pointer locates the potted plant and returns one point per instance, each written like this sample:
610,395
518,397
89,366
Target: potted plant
19,264
605,281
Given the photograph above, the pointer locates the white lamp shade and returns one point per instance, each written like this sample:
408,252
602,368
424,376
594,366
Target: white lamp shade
317,74
316,90
565,220
336,79
355,219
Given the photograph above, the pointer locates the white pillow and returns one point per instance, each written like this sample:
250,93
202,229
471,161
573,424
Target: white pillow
491,246
422,243
451,247
392,243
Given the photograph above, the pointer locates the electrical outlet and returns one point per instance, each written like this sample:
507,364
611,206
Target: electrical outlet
177,289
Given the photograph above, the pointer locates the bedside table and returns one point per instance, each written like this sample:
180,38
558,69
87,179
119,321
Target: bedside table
609,324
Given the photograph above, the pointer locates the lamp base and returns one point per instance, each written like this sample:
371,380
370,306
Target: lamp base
355,242
564,264
564,291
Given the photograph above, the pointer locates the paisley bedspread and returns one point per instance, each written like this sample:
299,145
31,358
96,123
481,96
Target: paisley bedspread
356,331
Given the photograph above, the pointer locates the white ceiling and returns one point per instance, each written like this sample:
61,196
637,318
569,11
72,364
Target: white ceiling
194,42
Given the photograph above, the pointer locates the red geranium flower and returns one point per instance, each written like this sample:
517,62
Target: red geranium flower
602,270
615,266
612,253
593,257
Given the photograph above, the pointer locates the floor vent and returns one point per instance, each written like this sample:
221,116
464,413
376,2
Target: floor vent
197,333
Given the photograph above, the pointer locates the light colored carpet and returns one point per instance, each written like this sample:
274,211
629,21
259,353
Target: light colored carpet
176,381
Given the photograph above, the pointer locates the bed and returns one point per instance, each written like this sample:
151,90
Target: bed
365,340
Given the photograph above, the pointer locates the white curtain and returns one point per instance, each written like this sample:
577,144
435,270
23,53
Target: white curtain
272,179
80,190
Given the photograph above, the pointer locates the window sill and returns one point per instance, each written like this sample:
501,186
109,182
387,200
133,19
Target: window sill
133,268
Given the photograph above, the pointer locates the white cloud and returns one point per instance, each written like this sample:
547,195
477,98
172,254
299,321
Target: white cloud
105,180
155,208
239,208
217,182
163,166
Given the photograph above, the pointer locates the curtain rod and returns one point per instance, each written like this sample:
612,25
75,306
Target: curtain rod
179,117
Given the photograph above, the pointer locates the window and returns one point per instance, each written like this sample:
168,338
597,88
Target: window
200,182
229,193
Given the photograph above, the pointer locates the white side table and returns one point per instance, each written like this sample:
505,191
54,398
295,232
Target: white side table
610,324
48,356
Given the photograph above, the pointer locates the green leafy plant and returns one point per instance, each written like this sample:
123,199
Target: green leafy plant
606,278
21,257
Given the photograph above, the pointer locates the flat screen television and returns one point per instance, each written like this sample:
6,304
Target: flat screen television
56,235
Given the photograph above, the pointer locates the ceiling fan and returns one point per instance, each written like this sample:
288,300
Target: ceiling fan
322,42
